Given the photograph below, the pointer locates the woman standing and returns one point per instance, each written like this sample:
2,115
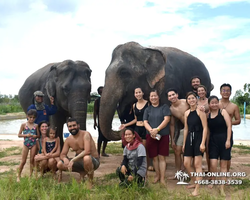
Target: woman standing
202,101
220,140
195,133
139,108
156,121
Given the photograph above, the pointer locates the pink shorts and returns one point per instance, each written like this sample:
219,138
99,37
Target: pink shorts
157,147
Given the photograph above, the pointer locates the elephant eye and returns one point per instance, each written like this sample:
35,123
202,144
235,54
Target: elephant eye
124,73
65,90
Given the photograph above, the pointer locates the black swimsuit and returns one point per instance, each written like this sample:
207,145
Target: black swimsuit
194,137
139,115
218,138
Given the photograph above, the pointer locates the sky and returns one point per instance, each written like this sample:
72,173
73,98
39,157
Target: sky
34,33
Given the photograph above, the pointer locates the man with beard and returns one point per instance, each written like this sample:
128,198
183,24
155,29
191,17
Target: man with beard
178,108
86,160
43,110
195,82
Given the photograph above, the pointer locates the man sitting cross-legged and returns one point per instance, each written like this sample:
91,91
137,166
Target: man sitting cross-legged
86,159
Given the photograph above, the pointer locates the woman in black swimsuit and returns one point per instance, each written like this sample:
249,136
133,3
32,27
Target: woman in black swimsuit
195,134
220,140
139,108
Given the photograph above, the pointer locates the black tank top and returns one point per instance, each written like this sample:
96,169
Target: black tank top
217,125
139,113
194,122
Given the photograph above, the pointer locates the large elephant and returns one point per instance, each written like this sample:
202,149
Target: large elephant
69,83
159,67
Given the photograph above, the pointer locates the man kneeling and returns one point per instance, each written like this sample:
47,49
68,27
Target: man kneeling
86,159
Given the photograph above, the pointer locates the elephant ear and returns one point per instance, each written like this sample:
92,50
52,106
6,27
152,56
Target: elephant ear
155,64
51,82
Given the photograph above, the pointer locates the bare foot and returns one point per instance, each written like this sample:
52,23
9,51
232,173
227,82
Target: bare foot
105,155
190,186
18,179
172,178
194,194
150,168
59,177
163,183
90,184
156,180
222,192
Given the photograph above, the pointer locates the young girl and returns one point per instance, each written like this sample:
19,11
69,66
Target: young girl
50,143
30,133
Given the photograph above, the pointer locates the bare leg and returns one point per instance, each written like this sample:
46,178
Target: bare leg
162,167
25,152
178,160
157,170
228,165
223,168
188,161
89,168
213,168
52,166
33,151
43,166
104,148
198,169
62,167
207,159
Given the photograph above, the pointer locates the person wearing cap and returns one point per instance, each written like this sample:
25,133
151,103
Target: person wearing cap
43,110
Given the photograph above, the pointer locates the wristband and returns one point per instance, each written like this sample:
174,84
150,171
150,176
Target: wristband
158,129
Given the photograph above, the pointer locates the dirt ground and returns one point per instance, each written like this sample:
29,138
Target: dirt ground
240,163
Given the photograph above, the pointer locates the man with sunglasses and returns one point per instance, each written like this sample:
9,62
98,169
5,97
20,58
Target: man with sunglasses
43,110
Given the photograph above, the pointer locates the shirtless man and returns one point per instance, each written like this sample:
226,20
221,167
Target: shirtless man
231,108
177,108
86,159
195,82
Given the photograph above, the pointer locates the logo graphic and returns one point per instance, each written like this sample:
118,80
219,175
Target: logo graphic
181,176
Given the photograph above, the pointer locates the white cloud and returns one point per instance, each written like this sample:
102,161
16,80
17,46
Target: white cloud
42,32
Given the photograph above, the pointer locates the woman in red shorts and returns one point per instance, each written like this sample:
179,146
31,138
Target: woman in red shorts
156,121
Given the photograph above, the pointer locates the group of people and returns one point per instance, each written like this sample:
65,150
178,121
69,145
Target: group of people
194,125
44,145
205,124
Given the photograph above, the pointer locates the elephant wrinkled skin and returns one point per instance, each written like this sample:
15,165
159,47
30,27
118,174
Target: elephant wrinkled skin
69,83
134,66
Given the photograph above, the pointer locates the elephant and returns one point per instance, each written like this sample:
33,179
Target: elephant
69,83
133,65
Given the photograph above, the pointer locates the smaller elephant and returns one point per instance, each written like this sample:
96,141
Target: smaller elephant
69,83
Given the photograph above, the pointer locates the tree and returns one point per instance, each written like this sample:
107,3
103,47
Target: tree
240,97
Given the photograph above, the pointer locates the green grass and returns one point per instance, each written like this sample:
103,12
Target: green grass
106,188
9,163
10,151
114,148
243,149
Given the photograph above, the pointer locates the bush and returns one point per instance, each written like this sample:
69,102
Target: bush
10,108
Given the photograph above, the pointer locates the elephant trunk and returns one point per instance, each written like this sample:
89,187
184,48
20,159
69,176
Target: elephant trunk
79,112
108,106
